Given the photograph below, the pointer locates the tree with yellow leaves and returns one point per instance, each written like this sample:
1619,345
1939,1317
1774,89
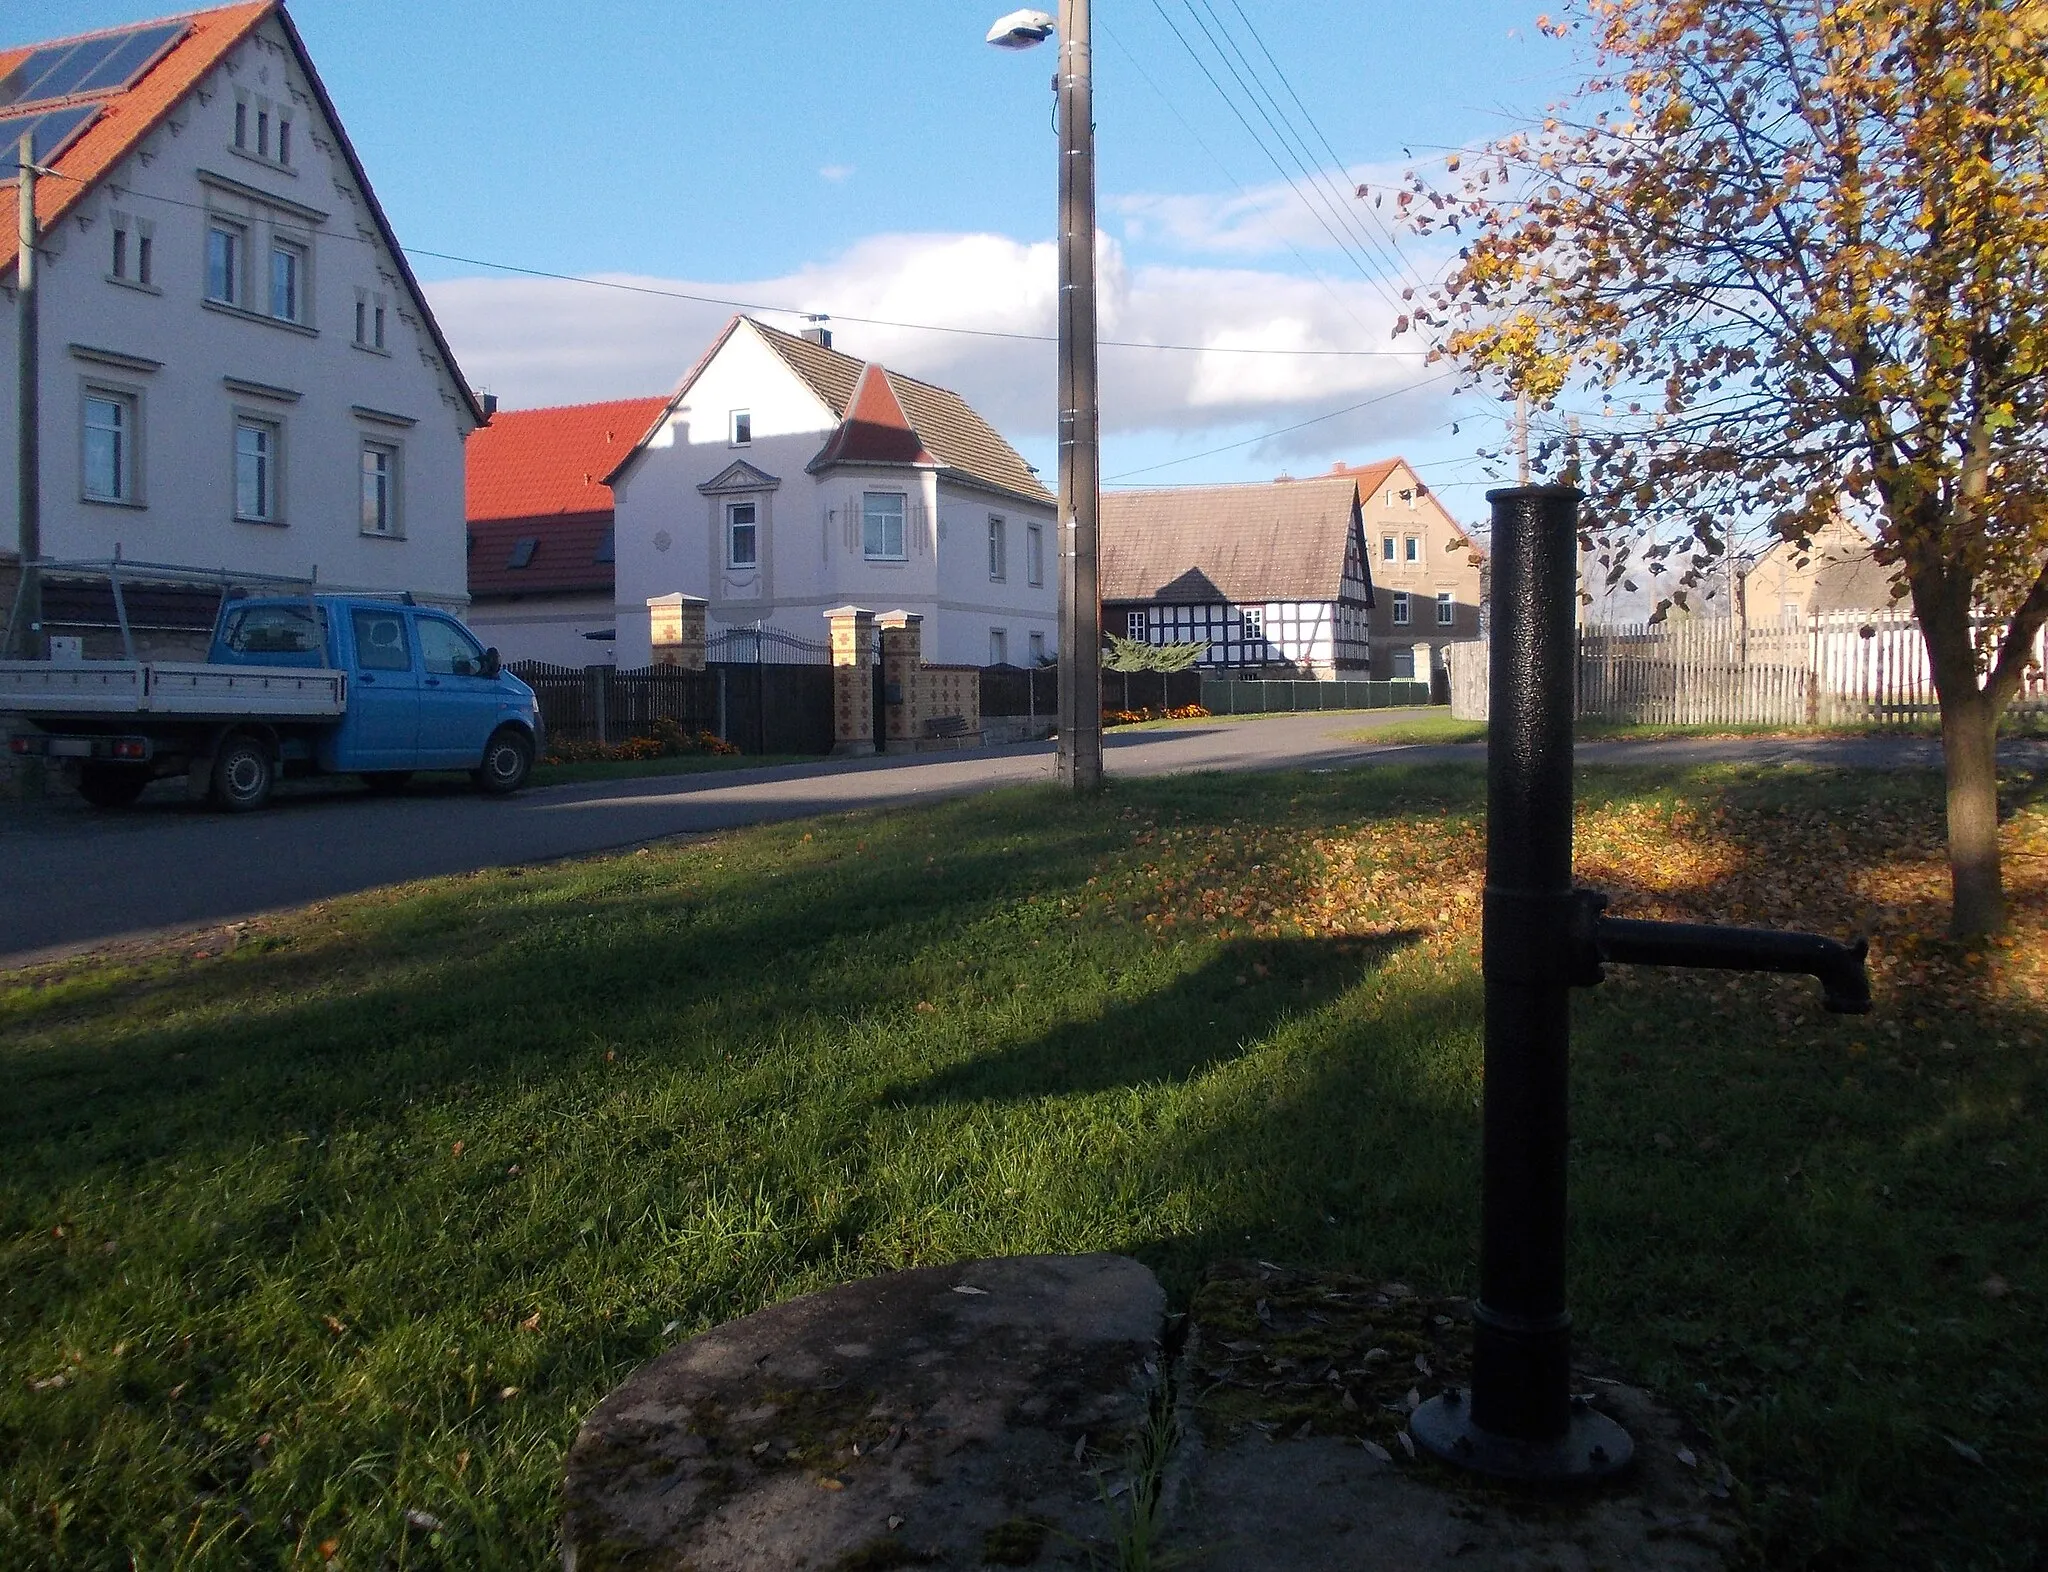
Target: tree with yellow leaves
1784,258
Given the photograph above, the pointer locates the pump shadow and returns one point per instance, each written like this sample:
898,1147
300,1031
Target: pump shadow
1207,1017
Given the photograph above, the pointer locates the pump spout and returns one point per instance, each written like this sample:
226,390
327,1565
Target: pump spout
1844,980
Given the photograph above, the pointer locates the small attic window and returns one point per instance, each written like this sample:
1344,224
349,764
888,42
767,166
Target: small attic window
522,553
607,550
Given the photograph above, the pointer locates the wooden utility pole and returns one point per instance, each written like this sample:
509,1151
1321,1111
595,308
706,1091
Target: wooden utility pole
1080,745
27,631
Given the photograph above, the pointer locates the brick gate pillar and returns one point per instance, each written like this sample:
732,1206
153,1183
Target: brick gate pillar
677,622
853,679
902,671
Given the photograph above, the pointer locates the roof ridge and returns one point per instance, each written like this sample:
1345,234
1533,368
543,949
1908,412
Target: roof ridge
596,403
905,376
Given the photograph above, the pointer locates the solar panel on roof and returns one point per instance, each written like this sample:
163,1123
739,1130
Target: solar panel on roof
89,65
138,51
53,130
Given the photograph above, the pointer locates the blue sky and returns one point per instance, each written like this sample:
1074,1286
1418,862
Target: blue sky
882,161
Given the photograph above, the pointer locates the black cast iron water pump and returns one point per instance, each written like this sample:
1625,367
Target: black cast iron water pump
1541,937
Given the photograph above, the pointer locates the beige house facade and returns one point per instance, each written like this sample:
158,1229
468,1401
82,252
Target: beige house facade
1836,574
1427,573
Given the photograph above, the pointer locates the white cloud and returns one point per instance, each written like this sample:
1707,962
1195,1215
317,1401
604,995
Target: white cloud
540,341
836,173
1311,216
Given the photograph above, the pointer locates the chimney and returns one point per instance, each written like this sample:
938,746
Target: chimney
489,401
821,336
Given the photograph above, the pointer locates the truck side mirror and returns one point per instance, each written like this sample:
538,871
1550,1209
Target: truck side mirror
491,662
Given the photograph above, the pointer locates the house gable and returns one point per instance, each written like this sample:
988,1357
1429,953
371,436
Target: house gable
126,117
739,476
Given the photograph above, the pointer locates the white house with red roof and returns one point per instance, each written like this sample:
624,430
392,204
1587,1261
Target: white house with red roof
783,478
237,367
542,584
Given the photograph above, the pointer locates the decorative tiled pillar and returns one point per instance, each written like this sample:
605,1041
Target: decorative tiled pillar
902,687
853,679
677,622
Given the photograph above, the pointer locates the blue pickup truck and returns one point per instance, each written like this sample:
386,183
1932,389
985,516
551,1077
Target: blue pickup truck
312,684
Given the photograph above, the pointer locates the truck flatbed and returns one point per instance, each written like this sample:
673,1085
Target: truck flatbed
187,690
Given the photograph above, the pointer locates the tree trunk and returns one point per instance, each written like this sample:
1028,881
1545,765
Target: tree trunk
1969,745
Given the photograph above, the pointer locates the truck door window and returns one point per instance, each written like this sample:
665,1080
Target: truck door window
380,641
272,630
446,651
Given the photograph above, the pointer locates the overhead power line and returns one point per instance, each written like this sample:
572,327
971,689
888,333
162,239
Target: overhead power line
1339,205
1299,425
737,304
920,327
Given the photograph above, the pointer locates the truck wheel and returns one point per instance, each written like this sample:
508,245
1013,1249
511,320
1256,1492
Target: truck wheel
242,775
507,758
111,785
386,781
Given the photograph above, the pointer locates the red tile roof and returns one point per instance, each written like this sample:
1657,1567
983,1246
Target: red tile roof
539,475
128,116
533,463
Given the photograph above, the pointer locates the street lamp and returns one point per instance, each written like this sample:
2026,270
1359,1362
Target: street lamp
1080,744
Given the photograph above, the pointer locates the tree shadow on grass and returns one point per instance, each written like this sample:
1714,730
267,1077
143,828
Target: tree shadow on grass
1237,997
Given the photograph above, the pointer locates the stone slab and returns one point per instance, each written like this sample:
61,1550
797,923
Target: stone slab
1295,1390
955,1416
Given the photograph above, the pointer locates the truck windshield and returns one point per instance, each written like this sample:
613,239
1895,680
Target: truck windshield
271,630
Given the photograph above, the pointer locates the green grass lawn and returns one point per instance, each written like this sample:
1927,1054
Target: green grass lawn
1433,726
358,1218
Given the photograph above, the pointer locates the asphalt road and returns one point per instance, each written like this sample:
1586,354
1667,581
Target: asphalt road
72,878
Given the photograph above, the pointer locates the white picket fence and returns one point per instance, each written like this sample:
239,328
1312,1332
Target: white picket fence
1836,669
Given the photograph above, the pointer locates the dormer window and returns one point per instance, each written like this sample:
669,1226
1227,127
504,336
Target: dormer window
522,553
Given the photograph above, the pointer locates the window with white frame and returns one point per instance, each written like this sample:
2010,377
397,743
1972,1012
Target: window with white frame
108,458
380,490
998,550
284,139
998,647
1400,608
1134,626
258,451
287,281
1254,619
1414,496
1386,548
1034,554
226,245
1411,549
742,535
1446,609
881,526
742,428
1036,644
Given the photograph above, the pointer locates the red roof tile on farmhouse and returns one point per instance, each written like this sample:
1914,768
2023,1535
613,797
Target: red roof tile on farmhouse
538,475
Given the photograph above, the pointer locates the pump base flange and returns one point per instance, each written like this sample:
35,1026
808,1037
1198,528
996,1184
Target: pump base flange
1593,1447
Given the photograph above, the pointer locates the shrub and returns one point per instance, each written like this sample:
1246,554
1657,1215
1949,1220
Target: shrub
665,739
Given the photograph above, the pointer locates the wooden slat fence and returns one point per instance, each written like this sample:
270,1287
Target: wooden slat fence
1841,668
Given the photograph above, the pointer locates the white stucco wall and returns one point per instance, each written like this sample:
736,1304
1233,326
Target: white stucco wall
549,628
185,442
810,526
